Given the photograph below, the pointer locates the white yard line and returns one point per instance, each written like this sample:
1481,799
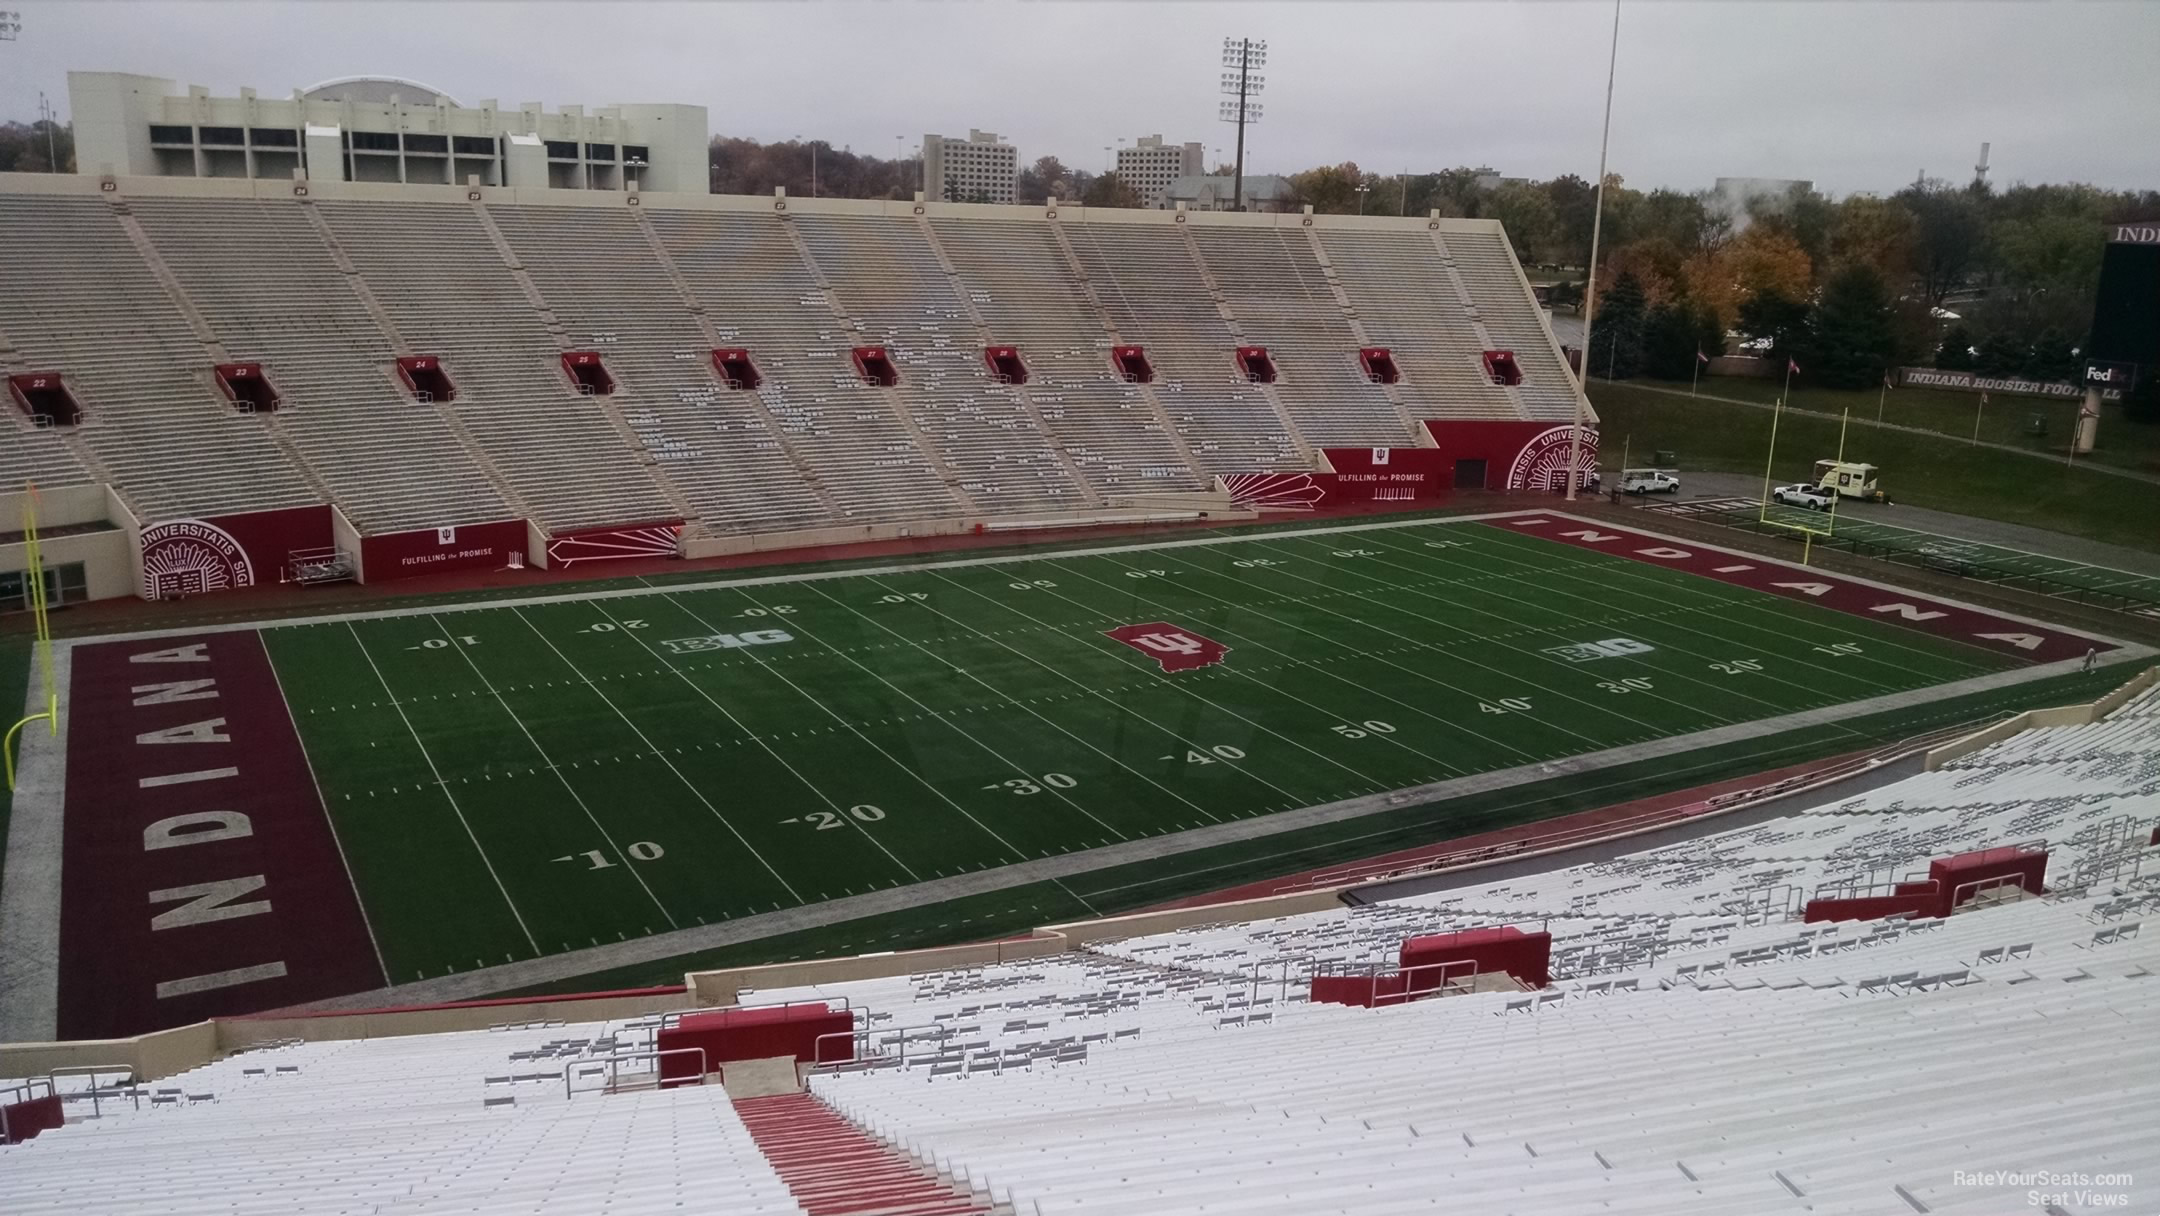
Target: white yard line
323,797
1098,694
549,761
1449,654
767,580
444,785
1009,699
1714,605
1528,578
1164,678
1362,689
921,780
753,736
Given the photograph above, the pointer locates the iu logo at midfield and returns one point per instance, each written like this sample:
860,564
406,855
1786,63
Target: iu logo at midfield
1176,649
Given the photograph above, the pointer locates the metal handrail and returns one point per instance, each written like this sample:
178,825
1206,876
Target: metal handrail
92,1071
817,1046
612,1063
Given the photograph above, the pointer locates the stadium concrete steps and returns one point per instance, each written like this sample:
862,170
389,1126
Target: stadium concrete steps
1101,312
212,345
985,337
773,426
1422,437
929,452
1268,392
683,508
363,292
833,1168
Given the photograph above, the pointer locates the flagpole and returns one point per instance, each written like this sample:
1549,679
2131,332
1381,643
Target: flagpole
1976,421
1881,395
1776,412
1597,224
1695,373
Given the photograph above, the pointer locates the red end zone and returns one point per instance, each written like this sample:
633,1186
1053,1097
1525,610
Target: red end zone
2020,639
200,876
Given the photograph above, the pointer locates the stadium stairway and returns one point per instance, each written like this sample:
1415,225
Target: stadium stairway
833,1168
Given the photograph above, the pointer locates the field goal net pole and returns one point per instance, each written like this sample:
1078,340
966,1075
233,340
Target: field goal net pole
35,576
1808,531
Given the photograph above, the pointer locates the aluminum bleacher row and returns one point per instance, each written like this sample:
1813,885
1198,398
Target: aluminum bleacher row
1697,1051
132,295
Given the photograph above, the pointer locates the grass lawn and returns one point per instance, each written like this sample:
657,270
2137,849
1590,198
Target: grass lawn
1921,470
2005,419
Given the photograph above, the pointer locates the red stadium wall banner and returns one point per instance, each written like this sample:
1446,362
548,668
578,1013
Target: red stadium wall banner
1509,456
1388,474
225,552
614,544
395,555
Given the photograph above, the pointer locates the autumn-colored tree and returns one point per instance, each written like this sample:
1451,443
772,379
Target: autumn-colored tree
1658,265
1329,189
1875,231
1110,190
1759,259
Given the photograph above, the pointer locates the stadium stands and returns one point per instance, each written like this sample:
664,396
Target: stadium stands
1698,1050
447,289
79,299
327,289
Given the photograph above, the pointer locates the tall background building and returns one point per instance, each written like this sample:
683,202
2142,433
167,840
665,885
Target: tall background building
380,129
1150,166
979,169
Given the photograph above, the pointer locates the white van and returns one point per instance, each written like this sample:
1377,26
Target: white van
1649,481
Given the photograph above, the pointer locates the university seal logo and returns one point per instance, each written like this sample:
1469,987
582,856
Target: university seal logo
191,556
1542,462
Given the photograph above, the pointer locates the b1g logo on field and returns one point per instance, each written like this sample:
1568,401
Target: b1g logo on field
1176,649
1610,648
727,641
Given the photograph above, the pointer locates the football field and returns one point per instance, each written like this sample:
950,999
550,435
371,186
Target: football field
511,781
427,791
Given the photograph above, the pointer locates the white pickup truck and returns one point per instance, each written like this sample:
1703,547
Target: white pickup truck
1814,498
1649,481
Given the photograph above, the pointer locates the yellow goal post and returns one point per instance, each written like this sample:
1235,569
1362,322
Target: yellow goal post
34,588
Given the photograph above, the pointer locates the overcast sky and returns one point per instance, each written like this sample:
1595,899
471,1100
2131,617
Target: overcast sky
1855,96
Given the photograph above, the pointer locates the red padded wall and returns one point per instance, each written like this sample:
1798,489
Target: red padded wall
756,1034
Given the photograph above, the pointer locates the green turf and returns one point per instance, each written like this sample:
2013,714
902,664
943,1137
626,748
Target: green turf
1969,559
1120,889
517,781
1918,469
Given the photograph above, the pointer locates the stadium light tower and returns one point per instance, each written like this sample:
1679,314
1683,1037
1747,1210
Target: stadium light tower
1597,224
1242,58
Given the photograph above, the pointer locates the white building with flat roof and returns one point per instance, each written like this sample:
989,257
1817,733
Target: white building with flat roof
979,169
380,129
1151,166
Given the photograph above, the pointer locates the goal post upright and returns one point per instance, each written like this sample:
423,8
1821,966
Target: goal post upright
34,576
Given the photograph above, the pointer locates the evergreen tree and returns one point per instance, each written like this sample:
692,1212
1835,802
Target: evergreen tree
1616,336
1773,315
1672,334
1851,336
1956,353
